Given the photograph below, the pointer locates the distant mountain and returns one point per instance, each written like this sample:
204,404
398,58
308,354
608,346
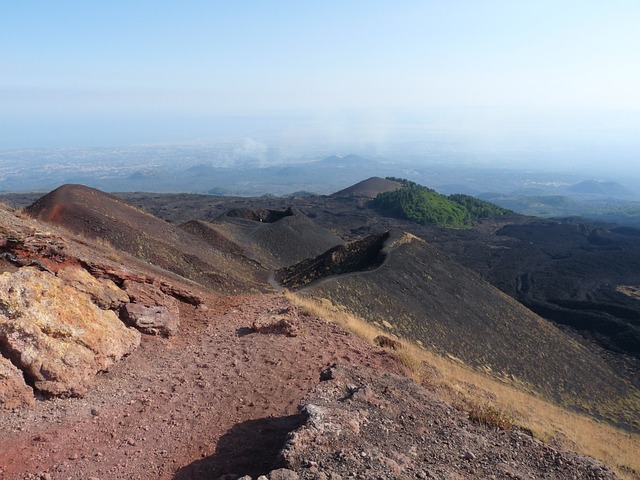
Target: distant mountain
424,205
200,169
421,205
147,175
599,187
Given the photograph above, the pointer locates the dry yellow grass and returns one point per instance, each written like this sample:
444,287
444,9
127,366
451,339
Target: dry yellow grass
475,391
632,291
18,212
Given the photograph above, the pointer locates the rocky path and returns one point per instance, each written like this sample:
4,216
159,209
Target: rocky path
217,398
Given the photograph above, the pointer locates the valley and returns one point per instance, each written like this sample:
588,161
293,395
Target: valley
573,265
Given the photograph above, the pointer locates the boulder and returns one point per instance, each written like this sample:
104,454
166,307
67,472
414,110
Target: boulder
276,324
14,392
55,333
280,322
156,320
283,474
152,311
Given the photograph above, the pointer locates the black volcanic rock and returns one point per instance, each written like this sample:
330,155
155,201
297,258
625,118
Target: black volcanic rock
419,292
568,272
358,256
264,215
276,238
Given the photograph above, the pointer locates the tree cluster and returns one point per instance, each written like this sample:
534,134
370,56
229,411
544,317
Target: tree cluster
424,205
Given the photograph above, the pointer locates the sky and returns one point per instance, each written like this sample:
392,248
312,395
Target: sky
98,73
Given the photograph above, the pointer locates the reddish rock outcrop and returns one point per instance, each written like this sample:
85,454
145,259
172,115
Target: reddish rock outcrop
55,332
151,311
149,294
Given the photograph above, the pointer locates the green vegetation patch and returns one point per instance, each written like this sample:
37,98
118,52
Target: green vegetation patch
424,205
479,209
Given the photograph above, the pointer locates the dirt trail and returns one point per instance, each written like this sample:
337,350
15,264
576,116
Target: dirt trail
184,403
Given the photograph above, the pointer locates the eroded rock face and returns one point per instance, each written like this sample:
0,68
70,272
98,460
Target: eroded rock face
104,293
53,329
14,392
149,294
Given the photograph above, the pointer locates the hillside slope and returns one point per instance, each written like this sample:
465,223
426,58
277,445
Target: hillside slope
97,215
587,266
570,271
370,188
419,292
276,237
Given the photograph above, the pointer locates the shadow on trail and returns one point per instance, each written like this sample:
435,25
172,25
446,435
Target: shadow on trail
248,448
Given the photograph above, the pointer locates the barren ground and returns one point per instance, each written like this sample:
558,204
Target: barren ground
214,389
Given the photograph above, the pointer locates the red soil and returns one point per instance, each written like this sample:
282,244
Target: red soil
186,402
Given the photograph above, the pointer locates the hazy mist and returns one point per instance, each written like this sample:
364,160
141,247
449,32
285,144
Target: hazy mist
132,96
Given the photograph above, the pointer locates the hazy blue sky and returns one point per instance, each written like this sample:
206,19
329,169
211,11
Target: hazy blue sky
80,71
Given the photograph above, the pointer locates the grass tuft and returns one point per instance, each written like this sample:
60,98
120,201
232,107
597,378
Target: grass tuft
490,416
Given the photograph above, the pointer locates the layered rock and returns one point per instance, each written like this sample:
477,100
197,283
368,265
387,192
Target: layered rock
54,329
104,293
